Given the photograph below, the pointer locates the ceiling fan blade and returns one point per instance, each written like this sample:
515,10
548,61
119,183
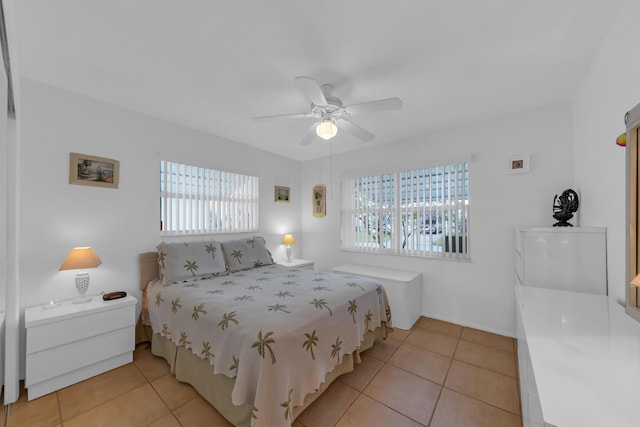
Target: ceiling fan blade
355,130
312,90
282,116
310,135
373,106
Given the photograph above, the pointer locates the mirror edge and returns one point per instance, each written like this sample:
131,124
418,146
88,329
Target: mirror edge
632,301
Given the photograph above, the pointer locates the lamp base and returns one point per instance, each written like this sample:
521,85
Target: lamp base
82,284
288,252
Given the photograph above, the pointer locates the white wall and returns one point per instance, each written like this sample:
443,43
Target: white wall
119,224
609,90
478,293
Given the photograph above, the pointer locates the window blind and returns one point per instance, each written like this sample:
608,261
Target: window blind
196,200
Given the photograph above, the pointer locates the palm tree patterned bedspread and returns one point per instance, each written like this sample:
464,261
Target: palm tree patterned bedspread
278,331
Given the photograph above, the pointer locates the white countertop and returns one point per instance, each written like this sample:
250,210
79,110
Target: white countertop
585,354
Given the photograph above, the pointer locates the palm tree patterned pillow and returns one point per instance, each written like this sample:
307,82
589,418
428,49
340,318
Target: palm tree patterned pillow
248,253
188,261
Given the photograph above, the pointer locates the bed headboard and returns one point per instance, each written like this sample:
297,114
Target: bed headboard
148,268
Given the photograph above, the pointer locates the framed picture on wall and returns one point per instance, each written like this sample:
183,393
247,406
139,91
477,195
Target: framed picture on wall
319,201
282,194
92,170
518,164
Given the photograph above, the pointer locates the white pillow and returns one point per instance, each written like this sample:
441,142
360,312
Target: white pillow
188,261
246,253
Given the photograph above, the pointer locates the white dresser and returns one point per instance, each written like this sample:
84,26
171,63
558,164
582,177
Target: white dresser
73,342
568,258
578,359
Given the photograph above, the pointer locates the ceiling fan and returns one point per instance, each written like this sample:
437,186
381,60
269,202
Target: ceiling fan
331,114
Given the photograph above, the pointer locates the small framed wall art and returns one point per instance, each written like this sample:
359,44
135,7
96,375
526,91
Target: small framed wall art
518,163
282,194
93,170
319,201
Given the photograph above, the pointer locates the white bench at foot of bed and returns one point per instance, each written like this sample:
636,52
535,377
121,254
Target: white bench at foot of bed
403,288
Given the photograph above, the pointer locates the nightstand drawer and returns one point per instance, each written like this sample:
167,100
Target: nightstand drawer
69,330
62,359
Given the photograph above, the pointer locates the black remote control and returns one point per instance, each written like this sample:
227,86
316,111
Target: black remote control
114,295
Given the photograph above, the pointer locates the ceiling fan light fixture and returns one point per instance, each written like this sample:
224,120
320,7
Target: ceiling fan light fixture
326,129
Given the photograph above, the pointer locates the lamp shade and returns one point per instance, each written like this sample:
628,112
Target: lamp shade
80,258
288,240
326,129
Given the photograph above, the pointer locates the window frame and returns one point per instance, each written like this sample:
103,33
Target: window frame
440,190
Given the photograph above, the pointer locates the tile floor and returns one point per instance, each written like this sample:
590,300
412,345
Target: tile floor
438,374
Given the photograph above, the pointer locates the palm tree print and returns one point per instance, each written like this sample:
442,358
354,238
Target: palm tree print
161,257
235,365
244,298
216,291
290,283
355,285
367,320
228,282
353,309
250,242
312,341
175,305
165,330
258,263
387,312
283,294
379,289
254,287
159,299
197,311
287,406
191,266
226,318
320,304
206,352
211,249
183,340
278,307
321,288
335,349
237,254
263,344
319,279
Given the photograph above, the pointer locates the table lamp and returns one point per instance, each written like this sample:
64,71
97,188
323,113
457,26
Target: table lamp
288,240
81,259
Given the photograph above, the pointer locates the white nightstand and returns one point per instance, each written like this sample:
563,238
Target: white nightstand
72,342
298,263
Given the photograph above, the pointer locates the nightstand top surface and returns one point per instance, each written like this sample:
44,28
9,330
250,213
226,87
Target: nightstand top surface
36,315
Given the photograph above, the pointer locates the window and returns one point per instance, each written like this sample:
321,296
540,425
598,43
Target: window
196,200
419,212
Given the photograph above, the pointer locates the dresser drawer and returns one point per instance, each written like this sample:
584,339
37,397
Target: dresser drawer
62,359
61,332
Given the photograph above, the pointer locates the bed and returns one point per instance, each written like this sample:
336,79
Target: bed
259,341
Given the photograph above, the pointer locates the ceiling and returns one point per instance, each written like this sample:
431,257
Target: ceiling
213,65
